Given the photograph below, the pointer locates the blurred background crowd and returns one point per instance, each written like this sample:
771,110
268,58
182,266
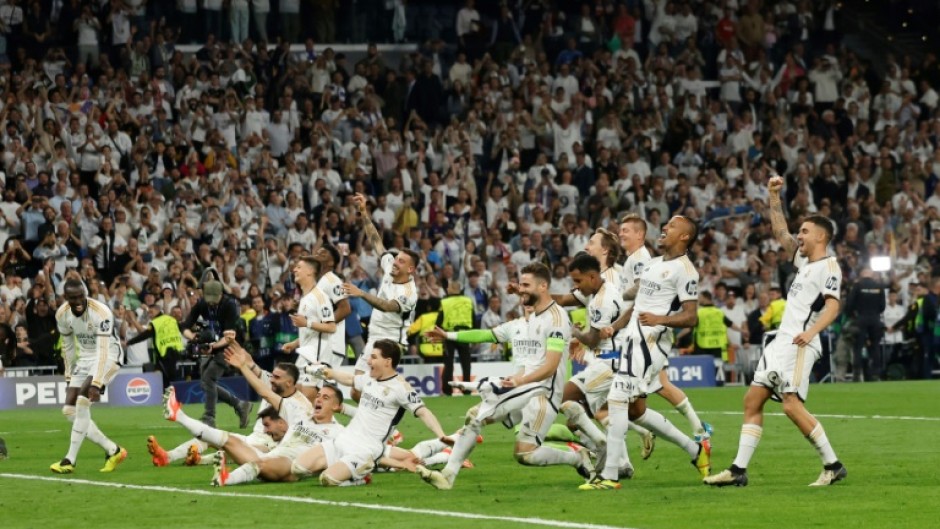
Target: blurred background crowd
142,142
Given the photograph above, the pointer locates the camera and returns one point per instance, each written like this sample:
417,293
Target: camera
201,345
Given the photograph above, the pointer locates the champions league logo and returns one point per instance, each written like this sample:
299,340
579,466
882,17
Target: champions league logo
137,390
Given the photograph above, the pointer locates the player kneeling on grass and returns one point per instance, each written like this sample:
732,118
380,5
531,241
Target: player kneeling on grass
528,394
353,454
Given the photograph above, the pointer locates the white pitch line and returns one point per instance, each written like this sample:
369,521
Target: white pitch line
341,504
838,416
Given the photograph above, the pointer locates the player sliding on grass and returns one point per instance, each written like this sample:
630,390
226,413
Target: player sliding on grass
783,370
540,343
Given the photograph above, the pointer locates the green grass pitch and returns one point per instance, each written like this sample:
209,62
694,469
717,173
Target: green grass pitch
886,434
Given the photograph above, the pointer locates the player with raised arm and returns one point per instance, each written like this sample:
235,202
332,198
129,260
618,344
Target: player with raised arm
666,299
329,258
529,391
314,321
353,454
784,368
397,295
87,329
632,240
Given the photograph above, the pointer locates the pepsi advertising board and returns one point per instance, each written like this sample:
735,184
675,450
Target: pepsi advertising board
127,389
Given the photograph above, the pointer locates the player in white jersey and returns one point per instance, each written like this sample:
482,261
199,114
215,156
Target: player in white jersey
386,395
328,258
783,370
92,354
665,298
314,320
542,346
282,394
397,295
632,240
278,388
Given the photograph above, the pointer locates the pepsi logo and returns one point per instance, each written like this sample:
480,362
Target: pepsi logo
138,390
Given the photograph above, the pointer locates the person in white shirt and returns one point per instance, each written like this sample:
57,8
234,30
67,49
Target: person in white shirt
386,395
465,18
314,318
394,303
92,355
783,372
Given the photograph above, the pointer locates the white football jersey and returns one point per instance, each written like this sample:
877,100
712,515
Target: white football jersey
394,325
632,268
614,276
332,286
316,308
309,433
93,334
293,409
532,338
814,282
381,407
603,309
664,287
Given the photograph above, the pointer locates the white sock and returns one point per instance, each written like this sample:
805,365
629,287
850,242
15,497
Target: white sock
243,474
353,483
349,410
462,448
656,423
79,427
617,426
428,448
586,441
213,436
750,437
438,459
544,456
820,441
638,429
180,452
577,416
93,434
686,409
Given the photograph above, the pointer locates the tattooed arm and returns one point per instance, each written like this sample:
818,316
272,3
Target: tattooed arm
372,234
778,221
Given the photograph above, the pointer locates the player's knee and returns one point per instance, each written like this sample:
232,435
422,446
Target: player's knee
572,410
329,481
792,407
299,470
68,412
471,414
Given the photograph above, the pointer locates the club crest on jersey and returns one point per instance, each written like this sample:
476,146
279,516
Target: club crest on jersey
665,274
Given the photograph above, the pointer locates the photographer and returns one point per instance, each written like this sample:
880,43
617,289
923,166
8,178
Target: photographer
218,312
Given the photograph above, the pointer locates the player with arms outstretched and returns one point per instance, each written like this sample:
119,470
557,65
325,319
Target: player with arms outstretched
530,390
783,370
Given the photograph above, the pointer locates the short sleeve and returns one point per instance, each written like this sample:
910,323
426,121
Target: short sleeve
582,299
687,285
410,398
558,339
407,299
832,282
359,381
601,315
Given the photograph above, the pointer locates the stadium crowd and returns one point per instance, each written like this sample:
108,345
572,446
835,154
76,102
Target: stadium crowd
506,140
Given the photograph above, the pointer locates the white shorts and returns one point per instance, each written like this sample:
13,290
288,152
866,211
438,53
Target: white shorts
785,368
507,405
359,456
290,452
643,358
594,382
537,417
85,367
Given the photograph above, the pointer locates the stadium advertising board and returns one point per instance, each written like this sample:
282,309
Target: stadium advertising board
131,389
692,371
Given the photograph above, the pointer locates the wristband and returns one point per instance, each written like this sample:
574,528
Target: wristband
452,336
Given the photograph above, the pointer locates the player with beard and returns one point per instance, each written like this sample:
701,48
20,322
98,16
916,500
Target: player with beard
529,391
783,370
